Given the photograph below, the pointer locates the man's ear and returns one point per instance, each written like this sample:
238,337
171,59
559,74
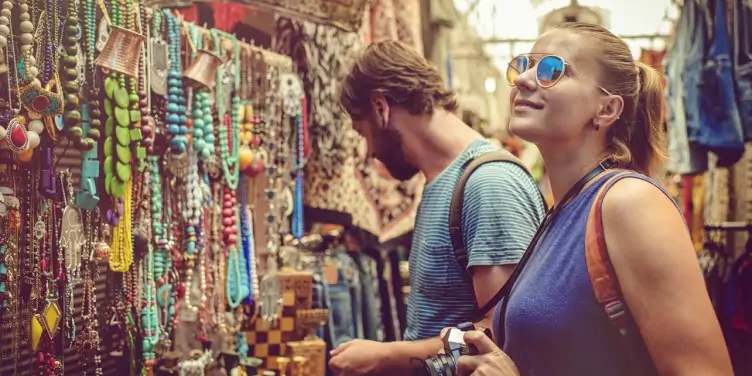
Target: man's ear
610,110
380,108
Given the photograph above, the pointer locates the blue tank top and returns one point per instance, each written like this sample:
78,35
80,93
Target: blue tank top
554,326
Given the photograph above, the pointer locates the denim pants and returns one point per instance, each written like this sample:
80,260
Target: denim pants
721,128
345,309
743,63
683,69
370,299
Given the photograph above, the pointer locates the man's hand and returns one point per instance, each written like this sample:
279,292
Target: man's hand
360,357
491,361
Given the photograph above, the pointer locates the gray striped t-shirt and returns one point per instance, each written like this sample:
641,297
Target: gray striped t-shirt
501,212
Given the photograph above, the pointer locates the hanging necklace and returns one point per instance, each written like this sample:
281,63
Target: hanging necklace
149,315
175,110
203,122
88,198
228,132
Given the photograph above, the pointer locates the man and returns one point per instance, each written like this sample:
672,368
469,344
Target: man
399,104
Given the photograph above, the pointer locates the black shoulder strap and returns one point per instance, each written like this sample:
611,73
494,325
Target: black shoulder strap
455,211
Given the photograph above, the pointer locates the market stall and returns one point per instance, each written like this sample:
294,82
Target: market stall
151,175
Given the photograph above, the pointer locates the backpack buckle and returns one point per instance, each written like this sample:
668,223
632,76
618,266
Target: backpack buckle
616,312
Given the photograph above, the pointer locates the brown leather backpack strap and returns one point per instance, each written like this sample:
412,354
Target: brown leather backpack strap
602,275
455,211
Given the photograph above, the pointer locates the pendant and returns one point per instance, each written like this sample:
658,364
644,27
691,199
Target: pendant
270,299
159,66
72,238
102,35
39,230
291,91
35,332
51,319
227,83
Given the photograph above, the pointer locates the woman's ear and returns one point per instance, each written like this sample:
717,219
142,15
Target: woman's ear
610,110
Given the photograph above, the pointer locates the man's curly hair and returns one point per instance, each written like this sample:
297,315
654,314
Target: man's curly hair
402,75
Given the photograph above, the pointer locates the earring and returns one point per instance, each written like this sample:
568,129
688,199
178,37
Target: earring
597,126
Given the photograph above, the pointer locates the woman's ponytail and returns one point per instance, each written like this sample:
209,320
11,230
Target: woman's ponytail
647,144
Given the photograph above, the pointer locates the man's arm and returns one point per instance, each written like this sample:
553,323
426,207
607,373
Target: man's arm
502,210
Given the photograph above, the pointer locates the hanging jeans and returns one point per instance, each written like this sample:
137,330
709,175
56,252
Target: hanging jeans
345,312
683,69
370,300
721,128
743,52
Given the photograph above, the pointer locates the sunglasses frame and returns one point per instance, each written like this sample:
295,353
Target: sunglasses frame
566,67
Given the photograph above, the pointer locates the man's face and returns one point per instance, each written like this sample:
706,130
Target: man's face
385,143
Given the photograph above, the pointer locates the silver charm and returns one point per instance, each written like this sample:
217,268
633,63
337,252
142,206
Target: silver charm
103,34
159,66
291,91
227,82
39,230
72,239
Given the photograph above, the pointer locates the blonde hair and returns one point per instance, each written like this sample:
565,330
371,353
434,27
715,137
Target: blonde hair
401,74
638,138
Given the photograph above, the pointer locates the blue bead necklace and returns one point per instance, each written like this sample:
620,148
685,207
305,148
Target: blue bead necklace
297,214
246,231
203,122
176,119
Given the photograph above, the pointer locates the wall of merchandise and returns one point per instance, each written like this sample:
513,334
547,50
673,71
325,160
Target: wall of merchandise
150,170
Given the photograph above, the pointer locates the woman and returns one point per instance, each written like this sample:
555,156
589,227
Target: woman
593,111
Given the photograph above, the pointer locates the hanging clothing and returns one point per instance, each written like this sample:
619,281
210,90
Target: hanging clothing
742,16
720,123
682,70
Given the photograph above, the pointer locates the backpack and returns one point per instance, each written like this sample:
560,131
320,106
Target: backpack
605,285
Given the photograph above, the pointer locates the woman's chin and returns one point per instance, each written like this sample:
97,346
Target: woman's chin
525,129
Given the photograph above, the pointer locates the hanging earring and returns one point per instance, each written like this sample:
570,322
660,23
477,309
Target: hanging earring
597,126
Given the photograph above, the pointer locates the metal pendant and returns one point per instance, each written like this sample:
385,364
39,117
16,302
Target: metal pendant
159,66
102,35
227,83
72,238
291,91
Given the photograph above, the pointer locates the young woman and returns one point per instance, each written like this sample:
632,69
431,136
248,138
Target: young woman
594,113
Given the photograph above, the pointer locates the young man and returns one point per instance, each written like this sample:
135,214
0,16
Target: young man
399,104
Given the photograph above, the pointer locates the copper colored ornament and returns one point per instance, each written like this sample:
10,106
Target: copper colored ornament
203,70
122,51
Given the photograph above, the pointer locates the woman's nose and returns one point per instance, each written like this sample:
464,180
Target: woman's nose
526,80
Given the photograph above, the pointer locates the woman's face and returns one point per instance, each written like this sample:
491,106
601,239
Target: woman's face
562,112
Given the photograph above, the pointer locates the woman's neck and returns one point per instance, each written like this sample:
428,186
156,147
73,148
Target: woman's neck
565,169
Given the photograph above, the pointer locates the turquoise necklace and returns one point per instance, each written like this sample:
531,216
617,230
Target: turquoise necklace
203,122
230,123
149,316
175,120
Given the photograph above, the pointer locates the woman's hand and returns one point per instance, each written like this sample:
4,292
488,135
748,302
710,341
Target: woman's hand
490,361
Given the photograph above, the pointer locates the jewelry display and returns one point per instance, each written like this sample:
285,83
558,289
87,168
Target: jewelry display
151,231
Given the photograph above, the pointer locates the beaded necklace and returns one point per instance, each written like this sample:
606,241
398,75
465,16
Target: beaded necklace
175,109
228,152
87,198
203,122
297,215
149,316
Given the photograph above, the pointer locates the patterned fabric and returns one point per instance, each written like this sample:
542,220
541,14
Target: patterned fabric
395,20
501,212
408,19
336,176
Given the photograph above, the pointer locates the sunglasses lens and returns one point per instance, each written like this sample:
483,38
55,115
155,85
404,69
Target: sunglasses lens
517,66
550,69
